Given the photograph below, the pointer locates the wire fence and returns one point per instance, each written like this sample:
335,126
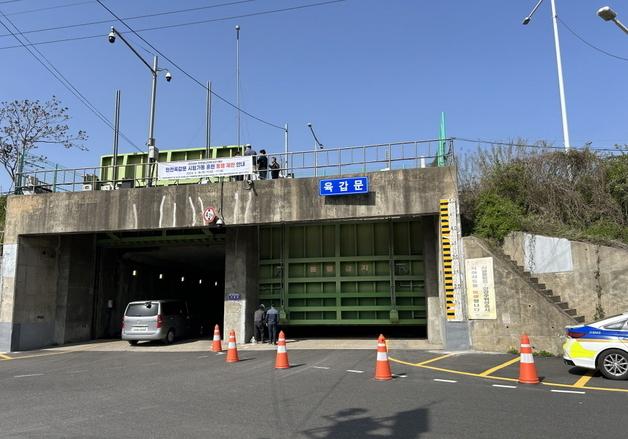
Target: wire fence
320,162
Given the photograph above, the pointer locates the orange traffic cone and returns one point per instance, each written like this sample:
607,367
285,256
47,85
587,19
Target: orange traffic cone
216,344
232,352
382,366
282,355
527,369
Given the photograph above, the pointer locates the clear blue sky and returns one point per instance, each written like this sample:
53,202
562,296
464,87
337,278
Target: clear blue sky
362,71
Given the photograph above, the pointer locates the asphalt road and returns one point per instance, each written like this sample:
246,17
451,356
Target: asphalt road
325,394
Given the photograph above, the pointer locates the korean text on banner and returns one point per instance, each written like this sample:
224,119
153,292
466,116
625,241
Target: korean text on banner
223,167
480,288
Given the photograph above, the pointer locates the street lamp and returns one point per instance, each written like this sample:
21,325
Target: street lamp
317,145
559,66
153,152
607,14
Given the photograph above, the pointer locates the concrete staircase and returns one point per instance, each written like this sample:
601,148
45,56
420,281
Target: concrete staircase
542,289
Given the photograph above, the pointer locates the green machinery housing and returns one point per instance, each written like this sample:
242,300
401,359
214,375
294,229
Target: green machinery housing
136,170
366,273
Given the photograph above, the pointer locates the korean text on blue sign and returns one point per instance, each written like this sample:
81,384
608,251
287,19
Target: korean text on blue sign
344,186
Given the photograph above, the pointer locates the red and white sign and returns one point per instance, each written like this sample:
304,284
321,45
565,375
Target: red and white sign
209,215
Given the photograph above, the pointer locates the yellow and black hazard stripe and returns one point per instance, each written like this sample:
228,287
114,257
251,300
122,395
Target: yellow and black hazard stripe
448,274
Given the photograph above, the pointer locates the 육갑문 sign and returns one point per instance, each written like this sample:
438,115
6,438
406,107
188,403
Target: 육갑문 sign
344,186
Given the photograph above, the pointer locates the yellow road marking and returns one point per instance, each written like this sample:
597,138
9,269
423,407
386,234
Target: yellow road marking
433,360
5,357
488,377
498,367
584,379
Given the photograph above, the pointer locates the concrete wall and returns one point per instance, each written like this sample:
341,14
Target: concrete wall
54,277
520,309
392,193
596,283
241,267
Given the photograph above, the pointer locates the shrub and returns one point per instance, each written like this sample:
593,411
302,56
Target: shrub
497,216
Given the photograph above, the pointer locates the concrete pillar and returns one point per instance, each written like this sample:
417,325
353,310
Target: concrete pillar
241,287
433,300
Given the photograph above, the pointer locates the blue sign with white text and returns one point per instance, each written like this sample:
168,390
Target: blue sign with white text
344,186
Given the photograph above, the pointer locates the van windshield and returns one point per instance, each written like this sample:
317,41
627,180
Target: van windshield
141,310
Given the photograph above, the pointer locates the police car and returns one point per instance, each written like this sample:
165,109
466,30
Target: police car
602,345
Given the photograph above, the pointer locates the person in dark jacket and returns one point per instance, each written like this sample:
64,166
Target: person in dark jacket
274,168
262,164
259,319
272,320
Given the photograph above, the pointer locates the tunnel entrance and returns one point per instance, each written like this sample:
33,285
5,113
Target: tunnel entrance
180,264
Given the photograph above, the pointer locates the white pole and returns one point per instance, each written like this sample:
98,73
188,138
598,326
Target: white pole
561,85
238,77
208,120
285,149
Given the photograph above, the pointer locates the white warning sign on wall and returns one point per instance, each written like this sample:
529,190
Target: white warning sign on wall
480,289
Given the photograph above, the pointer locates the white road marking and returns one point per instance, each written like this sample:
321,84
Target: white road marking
203,356
504,386
321,367
29,375
445,381
400,375
569,391
355,371
220,353
78,371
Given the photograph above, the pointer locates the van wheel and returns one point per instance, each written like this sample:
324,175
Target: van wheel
614,364
133,342
169,337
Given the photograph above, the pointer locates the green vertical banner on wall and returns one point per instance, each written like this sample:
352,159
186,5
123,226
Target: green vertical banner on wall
440,156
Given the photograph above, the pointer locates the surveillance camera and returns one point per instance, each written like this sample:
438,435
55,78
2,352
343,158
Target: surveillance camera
220,222
112,37
168,76
526,20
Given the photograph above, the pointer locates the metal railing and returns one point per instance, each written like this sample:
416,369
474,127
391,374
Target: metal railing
326,162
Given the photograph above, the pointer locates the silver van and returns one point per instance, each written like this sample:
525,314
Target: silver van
162,320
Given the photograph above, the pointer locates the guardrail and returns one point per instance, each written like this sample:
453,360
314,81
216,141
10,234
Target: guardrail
323,162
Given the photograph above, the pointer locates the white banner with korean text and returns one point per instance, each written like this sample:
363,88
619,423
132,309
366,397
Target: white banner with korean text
223,167
480,289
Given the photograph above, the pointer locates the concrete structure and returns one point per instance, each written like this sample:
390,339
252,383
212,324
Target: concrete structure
591,278
520,309
49,293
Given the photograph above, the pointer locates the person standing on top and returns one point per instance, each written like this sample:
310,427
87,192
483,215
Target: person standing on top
262,164
272,320
274,168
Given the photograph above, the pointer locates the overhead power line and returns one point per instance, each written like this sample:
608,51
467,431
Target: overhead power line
137,17
30,11
49,66
189,23
188,74
589,44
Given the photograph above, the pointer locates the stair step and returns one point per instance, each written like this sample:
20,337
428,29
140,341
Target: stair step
571,312
579,319
541,286
534,280
554,299
562,305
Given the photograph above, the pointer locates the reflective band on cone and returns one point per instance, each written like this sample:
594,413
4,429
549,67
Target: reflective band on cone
527,369
232,352
282,354
382,366
216,344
